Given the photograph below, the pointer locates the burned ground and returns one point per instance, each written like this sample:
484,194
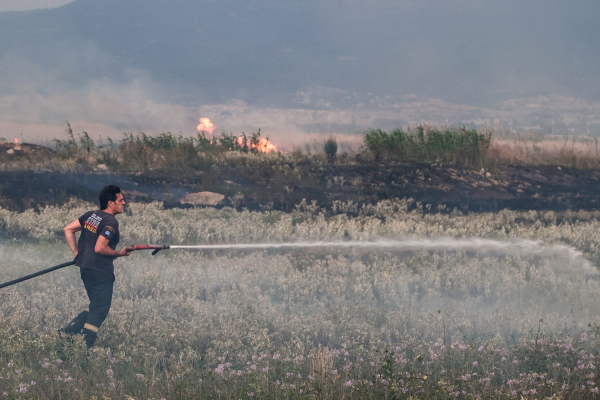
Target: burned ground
438,188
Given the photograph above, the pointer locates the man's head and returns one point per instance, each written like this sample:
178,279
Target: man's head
111,199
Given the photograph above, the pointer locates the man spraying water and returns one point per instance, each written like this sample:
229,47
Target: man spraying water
94,254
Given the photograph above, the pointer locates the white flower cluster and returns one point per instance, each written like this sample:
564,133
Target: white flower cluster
288,300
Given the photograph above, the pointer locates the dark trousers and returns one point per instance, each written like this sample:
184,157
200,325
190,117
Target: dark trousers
99,287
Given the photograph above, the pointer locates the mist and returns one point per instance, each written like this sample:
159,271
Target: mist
457,294
480,289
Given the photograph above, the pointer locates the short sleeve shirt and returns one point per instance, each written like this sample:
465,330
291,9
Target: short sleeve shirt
94,224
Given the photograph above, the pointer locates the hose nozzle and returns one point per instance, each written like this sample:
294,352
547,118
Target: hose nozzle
155,247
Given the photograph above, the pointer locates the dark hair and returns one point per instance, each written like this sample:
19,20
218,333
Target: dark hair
108,193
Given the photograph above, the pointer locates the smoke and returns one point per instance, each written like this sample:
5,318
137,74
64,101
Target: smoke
21,5
206,126
37,100
458,64
109,108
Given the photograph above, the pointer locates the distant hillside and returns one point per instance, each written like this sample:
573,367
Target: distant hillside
260,50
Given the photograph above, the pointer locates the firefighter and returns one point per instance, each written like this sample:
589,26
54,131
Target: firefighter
94,254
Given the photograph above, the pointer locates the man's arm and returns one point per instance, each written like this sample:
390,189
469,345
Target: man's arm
70,231
102,248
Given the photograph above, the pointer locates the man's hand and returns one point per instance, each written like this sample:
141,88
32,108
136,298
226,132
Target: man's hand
124,252
102,248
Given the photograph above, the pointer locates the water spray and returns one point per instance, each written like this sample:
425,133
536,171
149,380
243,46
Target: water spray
529,246
533,247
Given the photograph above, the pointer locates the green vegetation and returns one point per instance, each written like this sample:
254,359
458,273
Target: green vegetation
330,148
437,321
189,155
80,148
167,152
461,147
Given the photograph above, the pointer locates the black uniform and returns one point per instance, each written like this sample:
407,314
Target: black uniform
97,272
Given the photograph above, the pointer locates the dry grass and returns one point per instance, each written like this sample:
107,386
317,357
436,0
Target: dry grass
572,152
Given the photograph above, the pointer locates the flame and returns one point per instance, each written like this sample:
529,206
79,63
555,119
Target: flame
206,125
264,146
16,141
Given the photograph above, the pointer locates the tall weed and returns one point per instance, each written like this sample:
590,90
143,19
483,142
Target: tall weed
462,146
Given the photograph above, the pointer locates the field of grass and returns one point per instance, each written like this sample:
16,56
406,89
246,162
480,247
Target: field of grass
500,305
581,153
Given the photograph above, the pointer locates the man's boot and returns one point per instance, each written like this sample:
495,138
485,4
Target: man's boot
90,333
76,325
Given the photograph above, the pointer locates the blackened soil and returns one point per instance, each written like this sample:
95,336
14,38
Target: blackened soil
20,190
512,187
516,188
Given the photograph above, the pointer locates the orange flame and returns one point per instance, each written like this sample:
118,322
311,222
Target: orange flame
264,146
206,125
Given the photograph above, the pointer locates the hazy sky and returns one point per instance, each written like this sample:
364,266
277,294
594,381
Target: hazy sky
298,69
23,5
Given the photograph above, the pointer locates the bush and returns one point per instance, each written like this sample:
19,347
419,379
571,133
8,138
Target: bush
330,147
139,153
465,147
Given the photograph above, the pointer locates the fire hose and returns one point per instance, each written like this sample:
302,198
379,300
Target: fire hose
155,248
